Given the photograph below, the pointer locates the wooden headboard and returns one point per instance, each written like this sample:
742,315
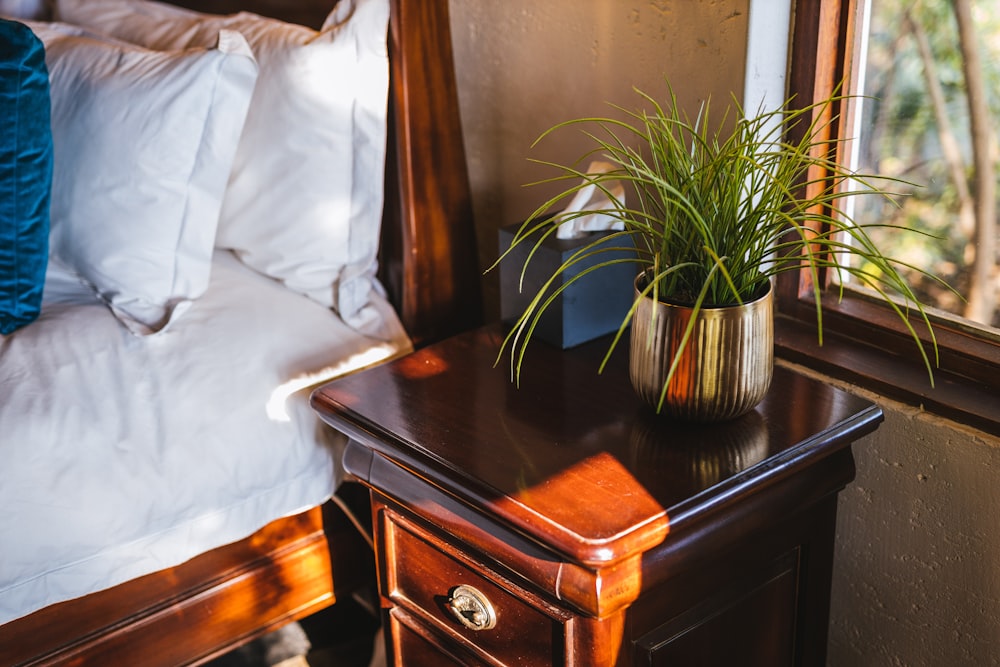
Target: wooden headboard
428,259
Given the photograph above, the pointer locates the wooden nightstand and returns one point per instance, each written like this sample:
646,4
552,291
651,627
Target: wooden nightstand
564,523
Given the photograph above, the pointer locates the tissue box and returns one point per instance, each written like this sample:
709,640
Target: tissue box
591,307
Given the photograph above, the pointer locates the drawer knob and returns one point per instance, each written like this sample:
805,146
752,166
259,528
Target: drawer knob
471,608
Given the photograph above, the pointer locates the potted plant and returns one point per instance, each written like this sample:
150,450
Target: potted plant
716,215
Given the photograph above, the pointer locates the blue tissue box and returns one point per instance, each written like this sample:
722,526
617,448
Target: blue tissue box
589,308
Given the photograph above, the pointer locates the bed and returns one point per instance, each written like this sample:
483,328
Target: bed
167,492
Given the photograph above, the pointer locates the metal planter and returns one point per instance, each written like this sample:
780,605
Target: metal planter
723,371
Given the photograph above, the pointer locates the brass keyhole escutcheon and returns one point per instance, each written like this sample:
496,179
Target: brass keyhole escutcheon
472,608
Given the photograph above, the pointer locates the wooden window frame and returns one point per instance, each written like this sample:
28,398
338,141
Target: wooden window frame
863,341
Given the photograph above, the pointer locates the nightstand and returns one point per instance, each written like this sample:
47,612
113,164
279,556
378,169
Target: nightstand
563,523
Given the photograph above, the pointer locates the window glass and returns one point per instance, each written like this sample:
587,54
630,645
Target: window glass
931,99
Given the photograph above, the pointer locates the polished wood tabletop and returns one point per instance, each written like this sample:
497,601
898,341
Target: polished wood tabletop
573,459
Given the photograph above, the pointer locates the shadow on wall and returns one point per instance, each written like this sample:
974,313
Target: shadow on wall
523,66
917,570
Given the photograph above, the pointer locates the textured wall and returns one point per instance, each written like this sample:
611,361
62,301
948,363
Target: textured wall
525,65
917,570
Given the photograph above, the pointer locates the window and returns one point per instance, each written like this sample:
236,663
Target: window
924,104
879,45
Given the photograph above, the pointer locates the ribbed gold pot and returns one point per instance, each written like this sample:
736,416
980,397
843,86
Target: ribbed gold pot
723,372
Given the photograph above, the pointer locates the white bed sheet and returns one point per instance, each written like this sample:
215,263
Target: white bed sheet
122,455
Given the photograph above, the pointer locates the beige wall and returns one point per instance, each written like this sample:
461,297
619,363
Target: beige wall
917,574
917,567
525,65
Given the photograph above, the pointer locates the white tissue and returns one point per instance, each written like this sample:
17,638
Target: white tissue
592,198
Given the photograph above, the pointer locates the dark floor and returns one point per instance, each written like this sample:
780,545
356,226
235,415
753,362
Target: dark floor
340,636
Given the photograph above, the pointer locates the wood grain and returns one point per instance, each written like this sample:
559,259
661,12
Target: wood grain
667,542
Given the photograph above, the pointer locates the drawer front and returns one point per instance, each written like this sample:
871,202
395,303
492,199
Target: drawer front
413,646
423,575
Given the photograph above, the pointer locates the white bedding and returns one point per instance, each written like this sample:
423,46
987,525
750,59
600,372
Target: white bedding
122,455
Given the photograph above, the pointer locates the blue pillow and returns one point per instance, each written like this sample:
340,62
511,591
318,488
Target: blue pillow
25,174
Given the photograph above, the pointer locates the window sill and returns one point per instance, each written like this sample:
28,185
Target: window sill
888,373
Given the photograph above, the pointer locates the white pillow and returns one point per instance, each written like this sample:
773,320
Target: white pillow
304,202
143,144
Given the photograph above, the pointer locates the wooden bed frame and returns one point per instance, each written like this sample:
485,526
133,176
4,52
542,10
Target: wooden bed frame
300,565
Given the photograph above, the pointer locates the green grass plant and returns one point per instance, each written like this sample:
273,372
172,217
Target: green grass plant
716,213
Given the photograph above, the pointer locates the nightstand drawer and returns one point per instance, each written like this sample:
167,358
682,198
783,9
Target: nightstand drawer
437,584
416,648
